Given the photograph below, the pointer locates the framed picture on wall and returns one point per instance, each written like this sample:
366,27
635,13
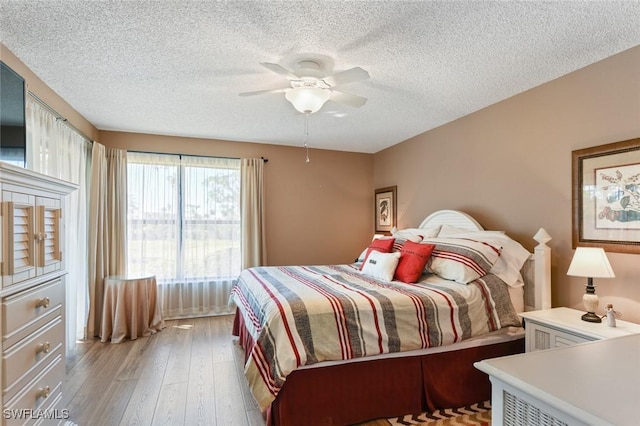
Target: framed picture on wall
385,209
606,197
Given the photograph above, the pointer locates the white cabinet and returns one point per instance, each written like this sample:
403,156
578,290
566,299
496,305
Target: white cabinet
595,383
32,295
558,327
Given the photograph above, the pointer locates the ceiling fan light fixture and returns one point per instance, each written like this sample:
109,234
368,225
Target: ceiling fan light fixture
307,100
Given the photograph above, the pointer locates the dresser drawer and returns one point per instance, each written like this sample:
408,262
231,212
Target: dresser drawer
48,414
21,311
29,356
53,414
566,339
38,394
540,336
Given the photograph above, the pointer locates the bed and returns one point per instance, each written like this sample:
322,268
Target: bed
343,344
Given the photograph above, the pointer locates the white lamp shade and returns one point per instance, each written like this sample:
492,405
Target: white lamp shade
591,262
307,99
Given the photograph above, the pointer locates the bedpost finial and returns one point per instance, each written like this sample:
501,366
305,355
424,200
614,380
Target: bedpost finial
542,236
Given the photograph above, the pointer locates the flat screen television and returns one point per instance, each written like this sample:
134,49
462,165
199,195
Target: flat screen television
13,132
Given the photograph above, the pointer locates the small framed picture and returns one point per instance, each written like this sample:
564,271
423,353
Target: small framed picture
385,209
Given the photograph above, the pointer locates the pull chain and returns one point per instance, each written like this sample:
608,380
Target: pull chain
306,135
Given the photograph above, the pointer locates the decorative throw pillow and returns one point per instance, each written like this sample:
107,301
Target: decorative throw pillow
512,255
461,260
413,258
381,265
383,245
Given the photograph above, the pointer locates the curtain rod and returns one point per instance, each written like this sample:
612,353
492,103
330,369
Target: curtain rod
58,115
65,121
266,160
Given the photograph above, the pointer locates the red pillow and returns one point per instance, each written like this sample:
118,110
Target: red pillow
383,245
413,258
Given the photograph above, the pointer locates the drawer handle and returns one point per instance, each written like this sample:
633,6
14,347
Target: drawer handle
43,392
44,347
43,303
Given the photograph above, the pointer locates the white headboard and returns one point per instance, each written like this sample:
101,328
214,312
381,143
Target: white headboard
536,272
451,217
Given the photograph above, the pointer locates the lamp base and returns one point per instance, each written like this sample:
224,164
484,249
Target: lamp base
591,317
590,301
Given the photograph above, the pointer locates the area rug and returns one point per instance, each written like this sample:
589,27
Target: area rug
476,414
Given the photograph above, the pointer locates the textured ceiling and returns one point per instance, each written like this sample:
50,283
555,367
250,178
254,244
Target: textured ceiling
176,67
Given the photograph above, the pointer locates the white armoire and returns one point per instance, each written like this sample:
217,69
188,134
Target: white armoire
32,291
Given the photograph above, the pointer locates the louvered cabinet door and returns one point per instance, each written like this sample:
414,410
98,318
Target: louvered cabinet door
18,244
48,235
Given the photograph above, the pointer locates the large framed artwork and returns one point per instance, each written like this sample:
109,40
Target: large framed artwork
606,196
385,209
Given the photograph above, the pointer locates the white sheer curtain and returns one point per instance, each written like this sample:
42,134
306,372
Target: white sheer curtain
184,228
56,150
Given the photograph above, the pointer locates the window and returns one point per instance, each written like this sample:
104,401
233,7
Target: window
183,218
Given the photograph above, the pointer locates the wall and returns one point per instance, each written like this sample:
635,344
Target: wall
316,213
509,166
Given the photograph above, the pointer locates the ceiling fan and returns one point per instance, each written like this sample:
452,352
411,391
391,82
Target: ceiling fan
310,88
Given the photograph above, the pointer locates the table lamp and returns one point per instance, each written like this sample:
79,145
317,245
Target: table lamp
590,262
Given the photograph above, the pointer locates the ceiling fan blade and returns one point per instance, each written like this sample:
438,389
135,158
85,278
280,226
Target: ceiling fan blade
348,76
280,70
262,92
348,99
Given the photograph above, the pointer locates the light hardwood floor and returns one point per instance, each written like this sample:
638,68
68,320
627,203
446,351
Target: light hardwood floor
190,373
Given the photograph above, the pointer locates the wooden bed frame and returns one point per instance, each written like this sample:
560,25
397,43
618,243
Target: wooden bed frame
341,394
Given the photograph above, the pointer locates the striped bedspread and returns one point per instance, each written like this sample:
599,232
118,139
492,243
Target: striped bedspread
299,315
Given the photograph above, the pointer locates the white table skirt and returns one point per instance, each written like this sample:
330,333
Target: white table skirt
131,308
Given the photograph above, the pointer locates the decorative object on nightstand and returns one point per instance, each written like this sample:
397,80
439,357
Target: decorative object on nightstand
590,262
611,315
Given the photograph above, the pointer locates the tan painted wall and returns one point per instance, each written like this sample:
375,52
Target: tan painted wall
317,213
44,92
509,165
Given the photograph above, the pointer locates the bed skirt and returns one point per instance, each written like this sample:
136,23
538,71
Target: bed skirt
350,393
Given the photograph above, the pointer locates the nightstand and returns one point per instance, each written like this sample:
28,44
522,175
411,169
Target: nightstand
591,384
557,327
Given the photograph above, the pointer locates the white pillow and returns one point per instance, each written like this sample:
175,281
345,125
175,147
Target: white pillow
416,234
510,263
381,265
452,231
